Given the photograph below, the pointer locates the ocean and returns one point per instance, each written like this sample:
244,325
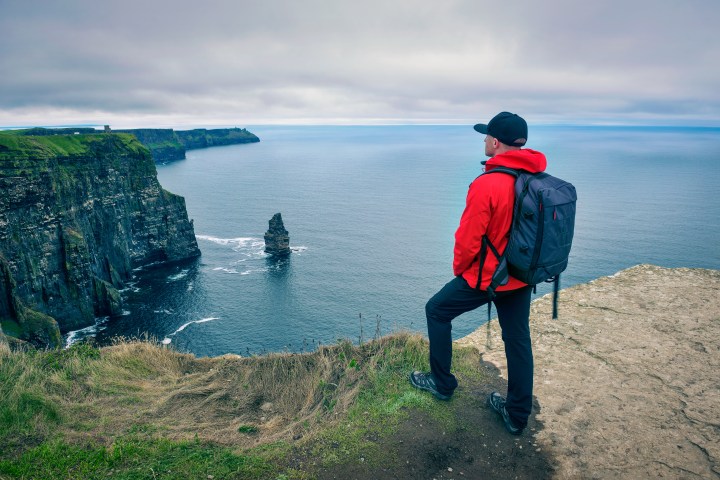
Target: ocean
371,213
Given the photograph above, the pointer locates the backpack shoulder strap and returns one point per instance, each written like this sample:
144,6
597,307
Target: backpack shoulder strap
508,170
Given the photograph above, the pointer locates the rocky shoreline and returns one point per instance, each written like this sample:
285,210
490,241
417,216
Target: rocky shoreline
627,377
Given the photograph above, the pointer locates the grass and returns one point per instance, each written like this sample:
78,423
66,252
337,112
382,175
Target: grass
19,148
138,410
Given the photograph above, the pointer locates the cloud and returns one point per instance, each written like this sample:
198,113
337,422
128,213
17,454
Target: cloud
229,62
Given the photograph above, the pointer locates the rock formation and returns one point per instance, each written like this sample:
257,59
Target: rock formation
77,214
277,241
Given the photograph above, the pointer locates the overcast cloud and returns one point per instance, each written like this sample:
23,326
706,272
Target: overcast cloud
238,62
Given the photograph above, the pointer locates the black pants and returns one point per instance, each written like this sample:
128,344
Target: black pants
513,308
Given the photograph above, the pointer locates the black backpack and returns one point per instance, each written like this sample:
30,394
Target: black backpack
541,233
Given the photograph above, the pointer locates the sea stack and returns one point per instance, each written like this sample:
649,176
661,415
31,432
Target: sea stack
277,241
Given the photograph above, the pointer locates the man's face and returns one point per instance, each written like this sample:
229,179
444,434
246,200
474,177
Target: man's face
490,146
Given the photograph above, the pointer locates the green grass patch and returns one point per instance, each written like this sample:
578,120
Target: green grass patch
135,457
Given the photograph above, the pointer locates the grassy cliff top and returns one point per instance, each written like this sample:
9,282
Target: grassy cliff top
138,410
15,145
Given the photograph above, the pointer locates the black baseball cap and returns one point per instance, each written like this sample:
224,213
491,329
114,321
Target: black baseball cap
507,127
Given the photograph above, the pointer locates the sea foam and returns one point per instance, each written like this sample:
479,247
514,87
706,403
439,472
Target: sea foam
167,339
240,241
178,276
77,335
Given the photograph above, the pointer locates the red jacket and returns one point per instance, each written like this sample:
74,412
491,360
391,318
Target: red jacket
488,211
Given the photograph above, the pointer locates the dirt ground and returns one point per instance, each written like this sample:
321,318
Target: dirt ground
626,386
479,448
627,378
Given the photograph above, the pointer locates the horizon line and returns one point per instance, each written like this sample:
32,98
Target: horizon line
360,124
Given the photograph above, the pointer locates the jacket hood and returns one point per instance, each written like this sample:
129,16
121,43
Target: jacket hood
523,159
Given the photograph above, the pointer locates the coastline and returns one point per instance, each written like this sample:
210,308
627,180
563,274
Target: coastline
626,383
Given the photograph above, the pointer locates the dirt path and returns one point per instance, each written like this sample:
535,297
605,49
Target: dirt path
628,379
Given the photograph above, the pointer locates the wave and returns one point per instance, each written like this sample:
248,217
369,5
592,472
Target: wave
178,276
148,265
254,270
167,339
130,286
252,245
226,270
223,241
236,242
75,336
250,250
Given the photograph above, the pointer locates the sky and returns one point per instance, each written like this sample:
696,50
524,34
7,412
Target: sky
175,63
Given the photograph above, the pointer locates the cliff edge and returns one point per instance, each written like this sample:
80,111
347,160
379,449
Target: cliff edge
77,214
627,377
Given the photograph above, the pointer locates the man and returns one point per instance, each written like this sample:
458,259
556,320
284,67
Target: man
487,218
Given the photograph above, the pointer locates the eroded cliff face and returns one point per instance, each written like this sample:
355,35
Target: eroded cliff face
77,214
162,143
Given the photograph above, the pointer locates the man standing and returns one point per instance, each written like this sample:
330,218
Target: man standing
486,221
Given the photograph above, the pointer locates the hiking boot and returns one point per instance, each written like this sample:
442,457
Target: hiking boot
425,381
497,403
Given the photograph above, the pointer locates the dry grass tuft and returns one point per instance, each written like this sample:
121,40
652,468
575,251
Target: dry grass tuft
242,401
230,400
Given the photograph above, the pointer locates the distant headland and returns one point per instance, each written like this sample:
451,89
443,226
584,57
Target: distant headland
165,144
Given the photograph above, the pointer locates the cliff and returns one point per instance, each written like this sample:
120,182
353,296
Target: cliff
77,214
202,138
162,143
168,145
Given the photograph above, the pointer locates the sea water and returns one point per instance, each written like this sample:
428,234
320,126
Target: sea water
371,212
